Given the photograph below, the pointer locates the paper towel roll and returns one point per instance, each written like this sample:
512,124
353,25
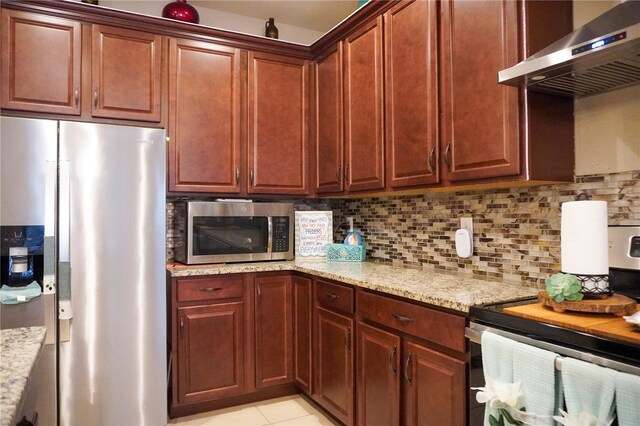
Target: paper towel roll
584,240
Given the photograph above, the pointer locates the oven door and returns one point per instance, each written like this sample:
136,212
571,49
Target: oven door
230,238
476,374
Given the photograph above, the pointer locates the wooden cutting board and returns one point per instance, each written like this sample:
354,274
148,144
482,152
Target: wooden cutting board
574,320
616,304
621,330
604,325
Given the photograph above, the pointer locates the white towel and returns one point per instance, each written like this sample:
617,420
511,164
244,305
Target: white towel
541,392
589,388
497,357
628,399
497,363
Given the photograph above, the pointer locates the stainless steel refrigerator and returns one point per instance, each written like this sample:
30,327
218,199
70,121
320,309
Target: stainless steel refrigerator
96,193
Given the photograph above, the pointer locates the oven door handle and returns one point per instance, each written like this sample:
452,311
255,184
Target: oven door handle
474,333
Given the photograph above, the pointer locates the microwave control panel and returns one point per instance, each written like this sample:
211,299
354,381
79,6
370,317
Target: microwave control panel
280,234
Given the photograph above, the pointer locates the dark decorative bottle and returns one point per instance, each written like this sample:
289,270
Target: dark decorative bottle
270,29
181,11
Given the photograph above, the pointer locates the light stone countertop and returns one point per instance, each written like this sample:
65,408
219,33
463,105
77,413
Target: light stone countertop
19,350
435,288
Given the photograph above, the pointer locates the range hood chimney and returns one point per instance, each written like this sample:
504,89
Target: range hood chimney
600,56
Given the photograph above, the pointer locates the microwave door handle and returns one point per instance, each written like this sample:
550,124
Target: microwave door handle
270,231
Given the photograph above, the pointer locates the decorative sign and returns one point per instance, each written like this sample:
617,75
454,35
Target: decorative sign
314,230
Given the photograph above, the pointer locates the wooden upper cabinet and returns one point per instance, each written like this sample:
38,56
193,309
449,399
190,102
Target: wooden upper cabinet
204,117
480,133
40,63
278,104
363,107
411,95
126,74
328,121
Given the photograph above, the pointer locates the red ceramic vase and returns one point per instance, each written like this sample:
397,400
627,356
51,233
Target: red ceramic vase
181,11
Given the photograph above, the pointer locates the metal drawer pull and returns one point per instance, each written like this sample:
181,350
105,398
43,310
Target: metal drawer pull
447,158
211,289
401,318
95,98
432,158
406,369
181,326
332,296
392,360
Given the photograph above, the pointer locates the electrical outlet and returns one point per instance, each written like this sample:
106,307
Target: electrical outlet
467,223
350,222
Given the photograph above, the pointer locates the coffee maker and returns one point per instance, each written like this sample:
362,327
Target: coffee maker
21,255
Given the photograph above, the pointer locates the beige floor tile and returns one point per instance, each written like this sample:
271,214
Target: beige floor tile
286,408
245,415
311,420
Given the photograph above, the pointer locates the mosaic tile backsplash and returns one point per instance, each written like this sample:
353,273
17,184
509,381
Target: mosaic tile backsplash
516,230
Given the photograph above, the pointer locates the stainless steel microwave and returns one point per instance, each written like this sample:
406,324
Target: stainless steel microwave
228,231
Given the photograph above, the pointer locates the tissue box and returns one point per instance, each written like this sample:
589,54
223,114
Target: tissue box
345,253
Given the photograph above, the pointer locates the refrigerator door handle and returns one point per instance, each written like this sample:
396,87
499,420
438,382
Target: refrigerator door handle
49,251
64,265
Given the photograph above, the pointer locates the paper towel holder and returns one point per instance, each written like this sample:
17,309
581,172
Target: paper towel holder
583,196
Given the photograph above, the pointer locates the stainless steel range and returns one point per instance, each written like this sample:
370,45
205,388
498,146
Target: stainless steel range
604,350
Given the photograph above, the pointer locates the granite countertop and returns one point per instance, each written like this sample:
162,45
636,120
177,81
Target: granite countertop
20,348
436,288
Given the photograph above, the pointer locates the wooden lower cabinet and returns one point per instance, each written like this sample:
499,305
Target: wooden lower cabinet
404,375
274,330
211,351
231,338
434,388
403,382
378,377
364,357
334,365
302,336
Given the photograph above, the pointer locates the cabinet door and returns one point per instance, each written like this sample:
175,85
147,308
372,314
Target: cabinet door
274,331
302,299
278,103
40,63
204,117
329,139
210,351
378,377
334,368
126,74
480,117
363,108
411,94
433,387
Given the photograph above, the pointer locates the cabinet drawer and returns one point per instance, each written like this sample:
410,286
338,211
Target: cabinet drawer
429,324
210,288
334,296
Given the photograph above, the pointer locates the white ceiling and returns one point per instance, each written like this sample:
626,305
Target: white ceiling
317,15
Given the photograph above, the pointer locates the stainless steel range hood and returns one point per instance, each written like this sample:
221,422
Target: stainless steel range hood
600,56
